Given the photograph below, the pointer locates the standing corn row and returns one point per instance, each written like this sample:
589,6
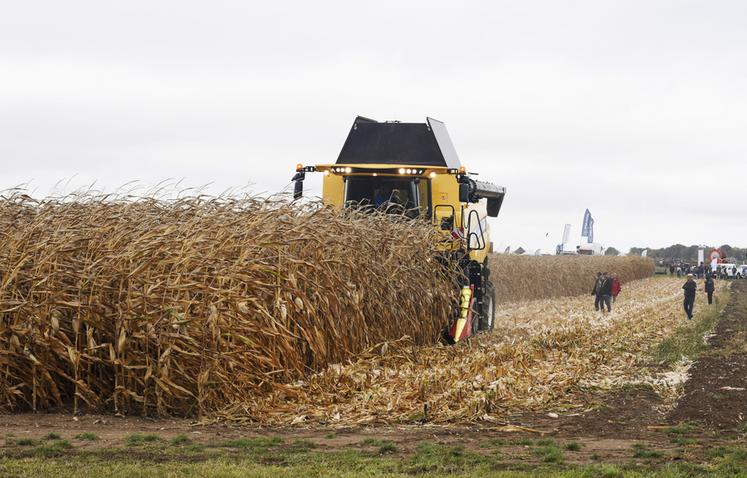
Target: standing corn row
182,307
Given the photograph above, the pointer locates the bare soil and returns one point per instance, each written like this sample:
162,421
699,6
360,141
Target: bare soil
716,393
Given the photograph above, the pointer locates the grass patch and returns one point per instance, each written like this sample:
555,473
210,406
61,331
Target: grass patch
444,459
55,448
21,441
181,439
387,448
87,436
429,461
731,460
682,428
255,442
302,445
52,436
142,438
641,451
549,454
330,436
684,441
610,471
384,446
373,442
573,446
494,443
687,339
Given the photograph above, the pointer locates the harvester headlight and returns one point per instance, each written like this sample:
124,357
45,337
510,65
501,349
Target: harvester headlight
326,173
409,171
375,174
401,171
432,175
348,170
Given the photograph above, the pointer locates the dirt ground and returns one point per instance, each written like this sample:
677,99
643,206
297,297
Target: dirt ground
716,393
711,413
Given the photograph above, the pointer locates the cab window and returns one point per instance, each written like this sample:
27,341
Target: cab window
395,195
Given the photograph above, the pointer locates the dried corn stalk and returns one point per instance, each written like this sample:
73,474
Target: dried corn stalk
141,305
522,278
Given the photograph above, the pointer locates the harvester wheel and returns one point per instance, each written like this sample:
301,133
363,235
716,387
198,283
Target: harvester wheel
491,306
446,337
487,314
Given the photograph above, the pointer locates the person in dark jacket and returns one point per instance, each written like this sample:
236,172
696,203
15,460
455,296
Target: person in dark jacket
690,287
596,291
606,292
710,287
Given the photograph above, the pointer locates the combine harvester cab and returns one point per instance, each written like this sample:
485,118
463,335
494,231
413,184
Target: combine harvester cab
413,169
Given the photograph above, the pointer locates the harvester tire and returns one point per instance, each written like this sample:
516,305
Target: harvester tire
487,314
446,337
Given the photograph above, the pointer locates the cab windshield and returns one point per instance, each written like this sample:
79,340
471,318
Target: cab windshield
395,195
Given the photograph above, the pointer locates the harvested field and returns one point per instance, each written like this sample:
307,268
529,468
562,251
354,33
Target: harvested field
625,431
541,354
138,305
519,278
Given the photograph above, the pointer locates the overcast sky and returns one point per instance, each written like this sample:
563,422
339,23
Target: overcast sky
633,109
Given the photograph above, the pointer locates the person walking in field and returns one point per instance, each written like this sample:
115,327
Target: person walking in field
606,292
690,287
596,291
616,287
710,287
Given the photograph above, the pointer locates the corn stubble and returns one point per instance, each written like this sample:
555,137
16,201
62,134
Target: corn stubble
541,355
138,305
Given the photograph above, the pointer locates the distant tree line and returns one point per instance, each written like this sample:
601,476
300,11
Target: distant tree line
689,253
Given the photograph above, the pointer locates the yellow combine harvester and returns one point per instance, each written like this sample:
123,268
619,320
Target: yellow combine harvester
413,169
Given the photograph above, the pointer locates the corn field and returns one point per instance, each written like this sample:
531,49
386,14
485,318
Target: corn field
519,278
250,309
138,305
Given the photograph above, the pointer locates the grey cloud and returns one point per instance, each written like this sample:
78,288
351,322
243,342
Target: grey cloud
633,109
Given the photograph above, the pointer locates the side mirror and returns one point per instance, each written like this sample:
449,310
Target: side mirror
494,205
464,191
298,185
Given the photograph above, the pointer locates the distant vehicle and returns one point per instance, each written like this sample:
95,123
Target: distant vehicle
728,271
590,249
661,268
565,248
742,272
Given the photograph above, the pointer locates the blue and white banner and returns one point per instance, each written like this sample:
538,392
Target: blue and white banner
587,229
